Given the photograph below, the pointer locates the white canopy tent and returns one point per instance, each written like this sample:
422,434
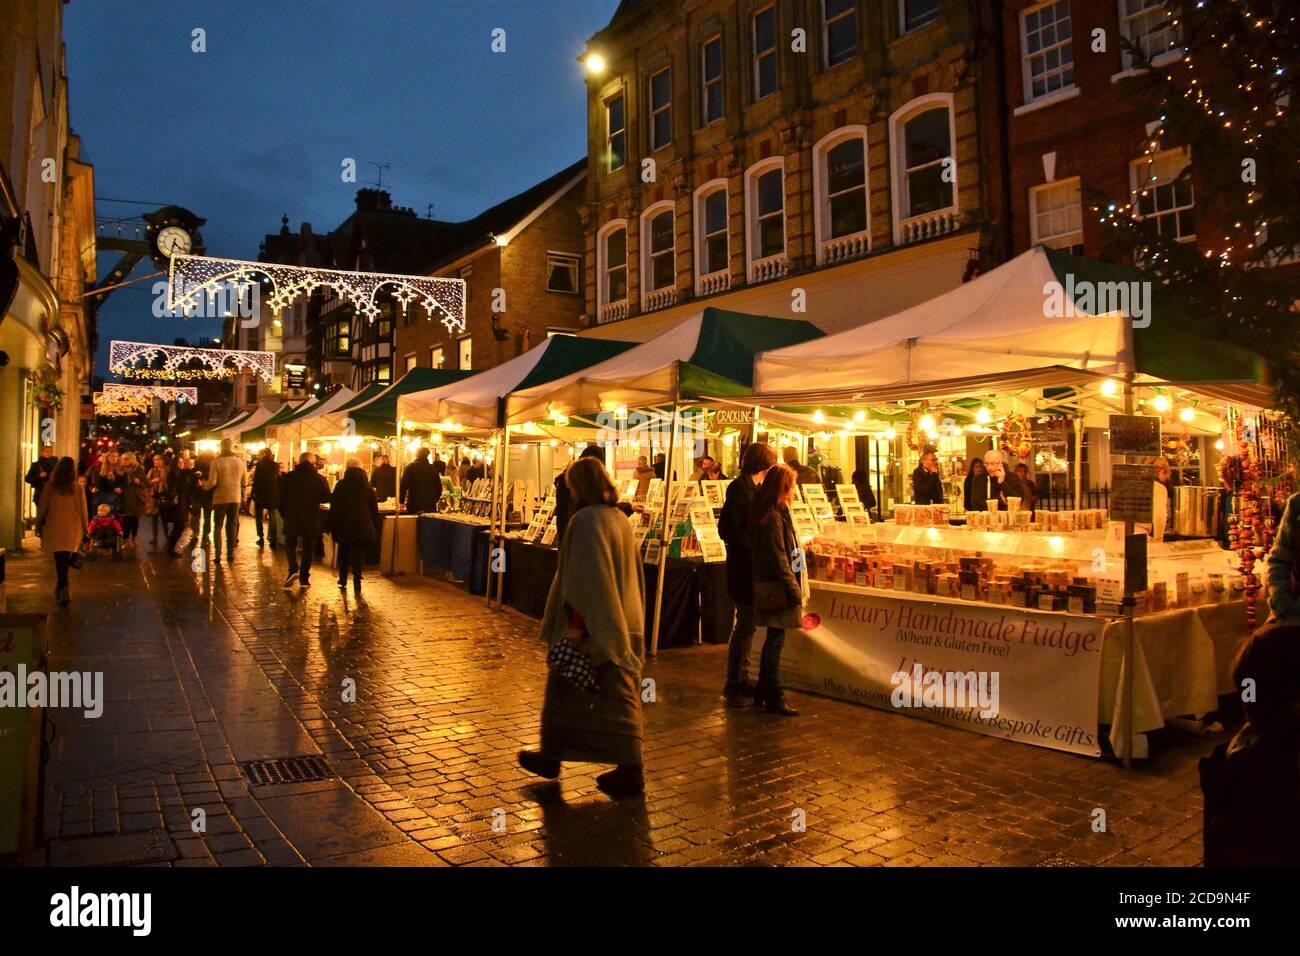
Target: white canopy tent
999,322
259,415
315,421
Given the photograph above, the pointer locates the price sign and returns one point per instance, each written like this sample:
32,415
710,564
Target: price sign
1131,489
1134,435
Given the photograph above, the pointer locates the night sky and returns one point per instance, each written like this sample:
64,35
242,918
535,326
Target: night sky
257,126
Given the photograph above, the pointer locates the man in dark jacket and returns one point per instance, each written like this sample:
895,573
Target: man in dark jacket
175,508
384,479
563,500
40,472
354,516
421,485
733,527
927,486
266,481
302,492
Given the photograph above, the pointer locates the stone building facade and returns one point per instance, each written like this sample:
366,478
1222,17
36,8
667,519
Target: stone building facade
751,154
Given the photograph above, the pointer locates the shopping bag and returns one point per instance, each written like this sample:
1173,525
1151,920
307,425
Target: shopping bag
573,665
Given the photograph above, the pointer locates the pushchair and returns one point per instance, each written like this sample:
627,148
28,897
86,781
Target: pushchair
104,535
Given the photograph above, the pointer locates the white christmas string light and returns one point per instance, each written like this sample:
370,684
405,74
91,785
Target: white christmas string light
147,393
137,358
192,280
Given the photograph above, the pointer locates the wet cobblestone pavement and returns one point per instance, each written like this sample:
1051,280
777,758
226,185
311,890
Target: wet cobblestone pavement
206,671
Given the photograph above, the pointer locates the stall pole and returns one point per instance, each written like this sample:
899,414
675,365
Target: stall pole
503,469
664,538
1130,633
753,427
1078,462
492,512
397,505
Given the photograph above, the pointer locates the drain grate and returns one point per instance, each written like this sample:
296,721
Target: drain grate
1057,860
282,770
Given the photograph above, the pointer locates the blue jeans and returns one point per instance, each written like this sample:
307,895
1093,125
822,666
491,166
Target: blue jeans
227,515
742,639
769,666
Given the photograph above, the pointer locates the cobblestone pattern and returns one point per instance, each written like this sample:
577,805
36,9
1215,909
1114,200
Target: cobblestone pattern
205,671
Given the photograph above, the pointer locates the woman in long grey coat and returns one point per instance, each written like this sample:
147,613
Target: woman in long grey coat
61,522
780,587
596,605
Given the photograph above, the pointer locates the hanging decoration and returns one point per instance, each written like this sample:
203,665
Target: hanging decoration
1017,436
147,393
1251,527
108,405
138,359
193,279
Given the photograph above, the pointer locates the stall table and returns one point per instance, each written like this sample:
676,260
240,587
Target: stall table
455,544
696,604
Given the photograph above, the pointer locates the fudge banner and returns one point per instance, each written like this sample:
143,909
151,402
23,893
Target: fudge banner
1008,672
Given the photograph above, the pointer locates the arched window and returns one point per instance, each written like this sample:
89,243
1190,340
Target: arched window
924,182
658,257
712,243
765,220
841,213
611,270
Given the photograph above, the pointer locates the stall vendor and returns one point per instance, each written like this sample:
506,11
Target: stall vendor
1003,484
927,486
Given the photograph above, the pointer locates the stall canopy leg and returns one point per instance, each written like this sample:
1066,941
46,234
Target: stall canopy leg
498,492
664,534
504,469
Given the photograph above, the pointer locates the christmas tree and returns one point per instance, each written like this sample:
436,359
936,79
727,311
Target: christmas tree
1230,100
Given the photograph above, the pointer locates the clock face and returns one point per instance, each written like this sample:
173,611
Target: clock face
174,239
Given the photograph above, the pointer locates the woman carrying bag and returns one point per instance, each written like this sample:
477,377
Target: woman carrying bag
780,582
61,522
595,626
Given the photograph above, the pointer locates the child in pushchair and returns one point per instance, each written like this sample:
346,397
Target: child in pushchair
104,533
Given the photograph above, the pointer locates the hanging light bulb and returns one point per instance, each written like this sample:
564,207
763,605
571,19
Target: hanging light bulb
1218,445
890,434
983,415
1109,386
859,416
926,424
819,416
1187,414
1160,403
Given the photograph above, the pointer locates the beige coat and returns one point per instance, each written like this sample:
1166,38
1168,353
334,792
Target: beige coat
600,576
61,519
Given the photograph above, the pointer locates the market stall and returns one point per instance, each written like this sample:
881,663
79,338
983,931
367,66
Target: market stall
1033,623
711,353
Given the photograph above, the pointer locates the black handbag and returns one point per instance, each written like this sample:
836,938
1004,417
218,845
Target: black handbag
770,596
573,665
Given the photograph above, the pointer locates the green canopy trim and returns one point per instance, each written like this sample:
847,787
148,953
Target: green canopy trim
377,418
728,342
566,354
284,414
1167,347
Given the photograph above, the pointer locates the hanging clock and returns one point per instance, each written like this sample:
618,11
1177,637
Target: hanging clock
172,231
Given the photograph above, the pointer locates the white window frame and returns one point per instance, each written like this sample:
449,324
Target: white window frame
601,285
902,19
821,186
758,55
752,224
701,237
465,344
1053,241
1127,21
1137,174
898,157
705,83
652,112
647,264
1026,58
569,258
826,36
620,94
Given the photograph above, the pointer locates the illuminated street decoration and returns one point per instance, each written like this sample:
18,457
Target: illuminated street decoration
138,359
193,280
164,393
109,405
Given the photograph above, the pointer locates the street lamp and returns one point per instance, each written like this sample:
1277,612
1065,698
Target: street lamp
595,63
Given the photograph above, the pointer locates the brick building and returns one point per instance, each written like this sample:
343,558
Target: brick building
741,150
286,333
528,247
1074,132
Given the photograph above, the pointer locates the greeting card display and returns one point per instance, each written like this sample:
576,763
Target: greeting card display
715,493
